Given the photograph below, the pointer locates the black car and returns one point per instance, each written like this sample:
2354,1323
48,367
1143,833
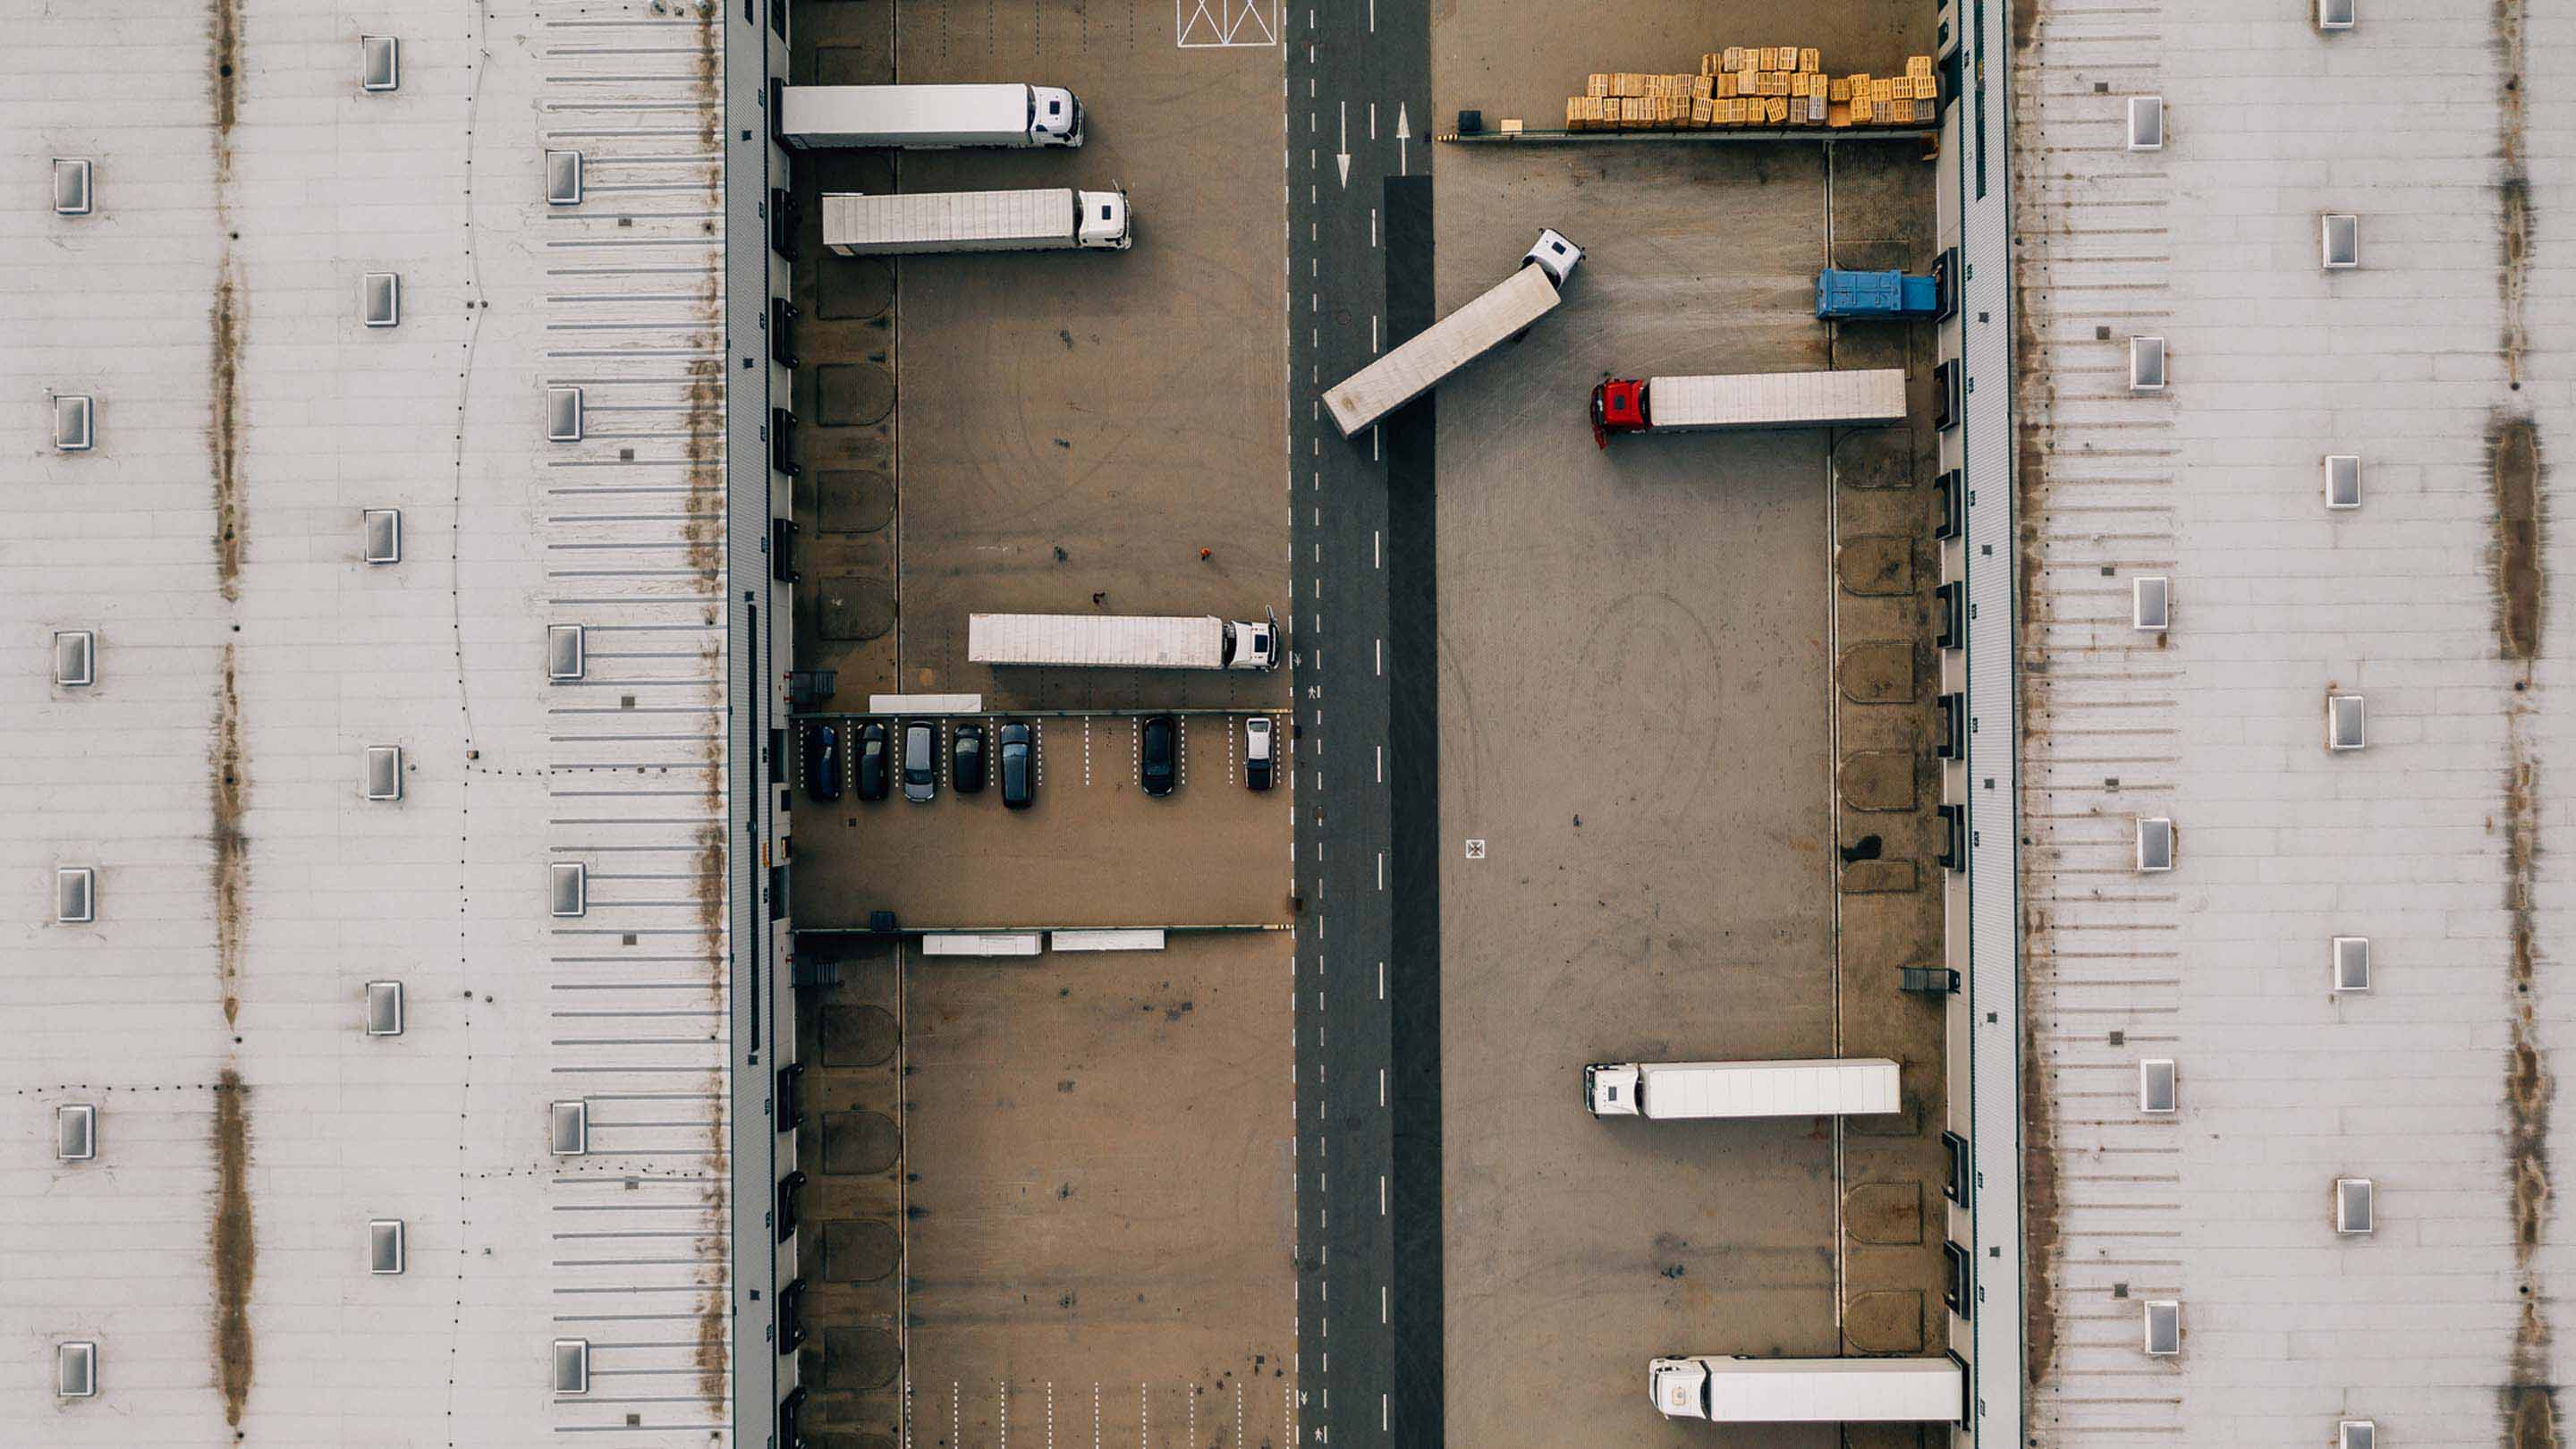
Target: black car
1158,764
873,766
920,761
966,759
1018,750
823,761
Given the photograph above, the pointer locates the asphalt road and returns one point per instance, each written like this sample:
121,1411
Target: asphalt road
1368,1215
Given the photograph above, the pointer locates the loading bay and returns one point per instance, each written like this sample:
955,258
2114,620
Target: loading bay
1679,695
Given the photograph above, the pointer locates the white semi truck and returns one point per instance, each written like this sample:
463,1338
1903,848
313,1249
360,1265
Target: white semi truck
1419,362
1747,400
1809,1390
1055,219
922,118
1665,1091
1122,641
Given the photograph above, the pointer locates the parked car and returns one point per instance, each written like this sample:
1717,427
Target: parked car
966,759
872,761
823,761
920,761
1257,763
1018,753
1158,762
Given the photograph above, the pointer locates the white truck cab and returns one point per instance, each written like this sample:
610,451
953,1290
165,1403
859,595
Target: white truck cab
1554,255
1680,1387
1104,220
1055,117
1610,1091
1252,646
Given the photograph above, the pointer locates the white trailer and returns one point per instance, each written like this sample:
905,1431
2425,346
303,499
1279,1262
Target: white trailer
1855,398
1666,1091
921,118
1809,1390
1122,641
1054,219
1419,363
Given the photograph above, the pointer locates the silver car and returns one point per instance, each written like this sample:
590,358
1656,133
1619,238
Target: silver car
920,761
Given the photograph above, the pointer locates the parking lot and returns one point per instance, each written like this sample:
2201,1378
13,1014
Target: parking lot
1092,848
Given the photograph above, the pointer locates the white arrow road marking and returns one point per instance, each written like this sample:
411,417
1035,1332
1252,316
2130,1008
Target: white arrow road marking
1342,158
1403,133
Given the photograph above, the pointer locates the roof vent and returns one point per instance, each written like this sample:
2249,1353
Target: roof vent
2151,603
2343,480
2356,1433
2156,1090
2146,123
75,1132
71,187
2337,15
572,888
384,772
73,415
385,1247
384,1008
571,1129
2352,1205
2349,960
2155,843
382,532
2146,364
567,653
2164,1327
2343,722
563,178
2339,237
563,415
381,299
75,895
380,62
572,1365
76,1370
75,658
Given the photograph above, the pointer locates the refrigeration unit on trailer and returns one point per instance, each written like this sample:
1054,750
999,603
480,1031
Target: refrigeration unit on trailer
928,117
1809,1390
1745,400
1417,364
1053,219
1666,1091
1122,641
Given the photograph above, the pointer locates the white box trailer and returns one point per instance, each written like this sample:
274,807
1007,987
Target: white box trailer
1122,641
1856,398
980,943
928,117
1419,363
1665,1091
1053,219
1809,1390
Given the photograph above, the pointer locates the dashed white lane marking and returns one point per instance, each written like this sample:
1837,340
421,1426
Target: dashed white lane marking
1381,764
1004,1393
1050,1391
1095,1416
1381,1194
956,1414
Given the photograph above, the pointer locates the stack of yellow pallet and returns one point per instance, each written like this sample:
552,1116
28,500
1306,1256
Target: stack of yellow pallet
1755,86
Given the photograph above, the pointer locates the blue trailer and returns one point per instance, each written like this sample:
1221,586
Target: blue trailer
1845,296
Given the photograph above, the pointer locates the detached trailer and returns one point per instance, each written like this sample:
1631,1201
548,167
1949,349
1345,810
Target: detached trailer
1122,641
927,118
1419,363
975,221
1809,1390
1744,400
1673,1091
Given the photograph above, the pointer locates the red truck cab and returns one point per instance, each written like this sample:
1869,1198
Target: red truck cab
1618,406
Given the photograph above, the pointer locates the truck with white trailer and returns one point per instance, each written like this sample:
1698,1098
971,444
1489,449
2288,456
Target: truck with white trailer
1417,364
1122,641
1857,398
927,118
1053,219
1740,1390
1671,1091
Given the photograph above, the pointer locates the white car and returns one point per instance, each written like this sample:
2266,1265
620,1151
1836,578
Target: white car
1258,767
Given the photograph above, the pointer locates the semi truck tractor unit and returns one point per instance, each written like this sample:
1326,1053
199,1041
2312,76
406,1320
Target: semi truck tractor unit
1122,641
1837,1087
1846,296
975,221
924,118
1809,1390
1747,400
1417,365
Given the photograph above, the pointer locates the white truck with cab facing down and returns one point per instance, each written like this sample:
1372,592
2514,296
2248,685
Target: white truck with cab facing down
1122,641
1809,1390
924,118
1049,220
1828,1087
1416,365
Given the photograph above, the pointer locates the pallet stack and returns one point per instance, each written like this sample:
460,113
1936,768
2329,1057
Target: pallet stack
1783,87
